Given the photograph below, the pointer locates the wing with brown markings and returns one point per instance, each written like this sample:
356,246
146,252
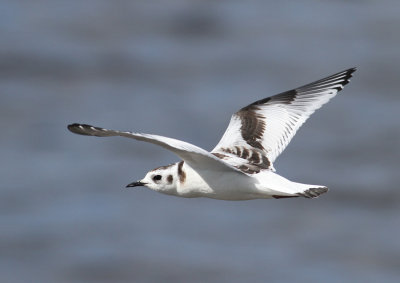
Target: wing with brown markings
259,132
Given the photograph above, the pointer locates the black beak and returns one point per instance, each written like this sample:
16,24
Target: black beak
136,184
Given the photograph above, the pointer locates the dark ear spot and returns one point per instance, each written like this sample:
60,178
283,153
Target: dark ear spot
170,179
181,173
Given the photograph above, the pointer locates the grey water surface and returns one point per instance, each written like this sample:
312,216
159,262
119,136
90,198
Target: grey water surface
181,68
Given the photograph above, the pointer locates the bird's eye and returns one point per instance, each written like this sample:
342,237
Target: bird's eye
157,178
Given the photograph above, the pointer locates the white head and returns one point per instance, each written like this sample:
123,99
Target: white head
163,179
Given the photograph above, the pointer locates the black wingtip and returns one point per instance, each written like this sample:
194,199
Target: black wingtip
351,71
78,128
72,127
349,75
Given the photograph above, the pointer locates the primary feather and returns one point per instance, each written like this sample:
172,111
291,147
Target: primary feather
259,132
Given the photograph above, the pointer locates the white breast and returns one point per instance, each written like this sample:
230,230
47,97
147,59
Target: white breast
217,185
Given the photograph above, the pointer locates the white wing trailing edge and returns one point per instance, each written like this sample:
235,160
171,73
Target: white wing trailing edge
259,132
196,157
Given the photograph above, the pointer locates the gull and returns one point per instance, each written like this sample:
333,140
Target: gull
240,167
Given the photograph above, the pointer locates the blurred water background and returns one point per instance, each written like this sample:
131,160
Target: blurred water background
181,68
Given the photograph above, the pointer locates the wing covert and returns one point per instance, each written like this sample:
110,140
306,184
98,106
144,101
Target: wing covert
268,125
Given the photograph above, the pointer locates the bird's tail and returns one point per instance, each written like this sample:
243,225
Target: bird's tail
303,190
313,191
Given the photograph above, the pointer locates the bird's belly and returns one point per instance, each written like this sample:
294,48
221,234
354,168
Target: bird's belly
227,186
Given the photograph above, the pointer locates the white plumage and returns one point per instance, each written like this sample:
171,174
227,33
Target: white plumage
241,165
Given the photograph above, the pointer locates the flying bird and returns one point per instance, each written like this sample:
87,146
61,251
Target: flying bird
240,167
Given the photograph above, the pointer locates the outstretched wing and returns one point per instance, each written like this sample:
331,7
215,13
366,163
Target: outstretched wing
259,132
196,157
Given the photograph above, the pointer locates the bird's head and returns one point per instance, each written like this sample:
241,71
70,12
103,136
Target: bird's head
161,179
